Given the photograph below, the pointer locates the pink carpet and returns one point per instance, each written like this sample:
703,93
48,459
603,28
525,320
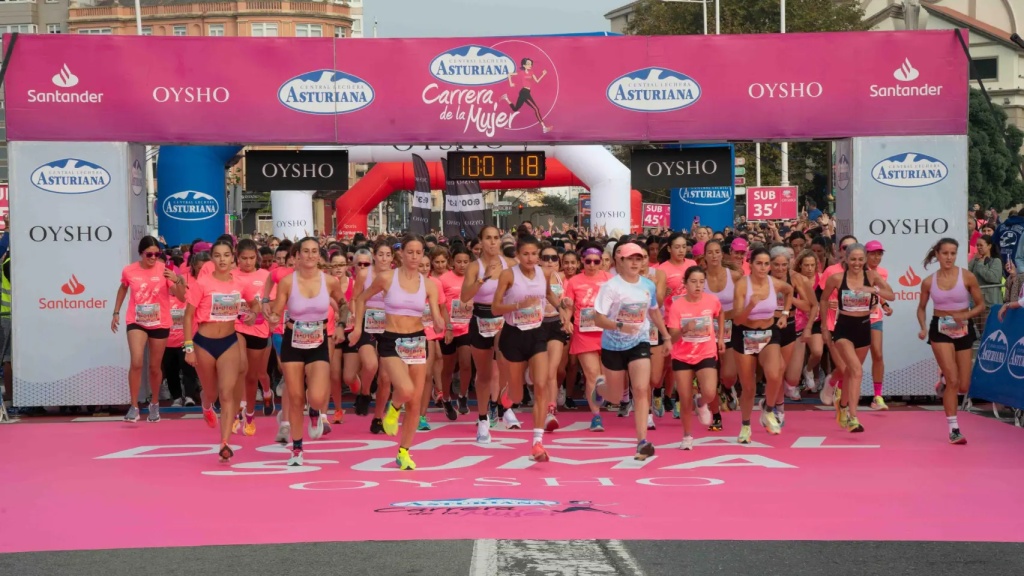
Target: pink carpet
64,488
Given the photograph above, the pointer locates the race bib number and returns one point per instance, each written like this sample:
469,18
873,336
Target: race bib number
652,336
307,335
588,320
755,340
346,320
952,328
876,314
177,318
728,329
632,313
460,312
780,301
527,318
225,307
699,332
428,318
854,301
489,327
147,315
373,321
412,350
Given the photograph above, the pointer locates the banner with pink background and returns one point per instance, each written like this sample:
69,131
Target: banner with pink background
485,90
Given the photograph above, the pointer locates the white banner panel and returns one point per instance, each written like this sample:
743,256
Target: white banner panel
71,238
908,192
292,211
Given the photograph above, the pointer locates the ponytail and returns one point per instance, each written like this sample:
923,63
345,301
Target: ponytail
933,252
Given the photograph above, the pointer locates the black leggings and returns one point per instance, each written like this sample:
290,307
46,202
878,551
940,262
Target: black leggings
178,372
525,97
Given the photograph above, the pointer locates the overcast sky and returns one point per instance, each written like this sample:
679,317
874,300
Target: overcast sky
447,18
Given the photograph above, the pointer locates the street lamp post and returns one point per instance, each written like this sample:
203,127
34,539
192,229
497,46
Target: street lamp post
785,145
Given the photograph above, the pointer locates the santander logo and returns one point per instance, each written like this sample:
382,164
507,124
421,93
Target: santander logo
73,287
906,72
910,279
64,78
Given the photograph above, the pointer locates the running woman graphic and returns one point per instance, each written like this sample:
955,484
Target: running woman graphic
525,95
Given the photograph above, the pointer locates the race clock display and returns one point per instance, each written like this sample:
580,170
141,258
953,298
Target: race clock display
496,166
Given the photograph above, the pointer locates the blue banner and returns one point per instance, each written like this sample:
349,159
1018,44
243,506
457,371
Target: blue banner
190,195
998,374
715,206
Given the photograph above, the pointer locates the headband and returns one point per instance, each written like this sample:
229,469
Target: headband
592,252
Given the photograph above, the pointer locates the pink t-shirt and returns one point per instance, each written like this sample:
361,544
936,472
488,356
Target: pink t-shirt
830,316
149,295
276,275
876,313
435,332
215,300
252,284
582,290
674,279
452,284
701,342
177,337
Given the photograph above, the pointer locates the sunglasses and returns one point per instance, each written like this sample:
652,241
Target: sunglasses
151,254
363,264
550,258
591,261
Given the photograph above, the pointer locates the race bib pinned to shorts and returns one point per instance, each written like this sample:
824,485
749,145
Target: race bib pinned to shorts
588,320
147,315
527,318
412,350
225,307
755,340
952,328
373,321
728,329
177,318
489,327
307,335
460,312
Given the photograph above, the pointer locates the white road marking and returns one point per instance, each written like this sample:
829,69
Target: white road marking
485,558
552,557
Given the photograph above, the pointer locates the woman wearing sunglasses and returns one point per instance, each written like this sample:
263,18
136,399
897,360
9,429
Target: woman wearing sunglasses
585,338
359,362
372,320
569,367
460,314
254,339
338,267
151,284
555,334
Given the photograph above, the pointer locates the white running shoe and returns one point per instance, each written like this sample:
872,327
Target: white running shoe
687,443
511,422
483,432
560,400
650,422
809,380
704,415
792,393
177,403
316,428
284,433
296,459
828,392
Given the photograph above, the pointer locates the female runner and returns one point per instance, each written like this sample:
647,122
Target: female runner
658,344
585,338
698,338
756,337
568,368
554,334
439,260
338,267
460,314
185,386
149,320
720,282
857,290
353,357
833,380
478,286
254,339
403,345
951,333
809,345
305,346
435,335
520,296
802,298
625,306
361,361
875,252
214,303
674,268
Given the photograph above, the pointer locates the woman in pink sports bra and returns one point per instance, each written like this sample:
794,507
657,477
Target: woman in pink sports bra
525,93
361,360
808,346
435,335
951,333
721,283
403,345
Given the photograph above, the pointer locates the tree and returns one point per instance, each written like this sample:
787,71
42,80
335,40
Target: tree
559,206
657,18
993,151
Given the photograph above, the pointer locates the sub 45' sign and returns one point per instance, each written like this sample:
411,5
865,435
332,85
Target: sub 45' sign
772,203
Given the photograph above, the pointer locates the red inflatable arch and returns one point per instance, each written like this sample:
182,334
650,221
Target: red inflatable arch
385,178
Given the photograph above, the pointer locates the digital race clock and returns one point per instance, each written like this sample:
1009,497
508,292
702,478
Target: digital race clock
496,166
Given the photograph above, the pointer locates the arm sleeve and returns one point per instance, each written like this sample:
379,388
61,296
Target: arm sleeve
605,299
195,294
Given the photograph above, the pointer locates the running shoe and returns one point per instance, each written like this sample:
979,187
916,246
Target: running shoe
780,415
828,391
769,421
154,413
809,384
404,461
132,415
326,423
339,416
424,425
296,459
687,443
376,426
704,414
210,417
569,403
269,406
492,414
449,410
316,425
658,407
792,393
176,403
225,452
483,432
390,422
503,398
538,453
716,423
842,416
236,426
596,424
189,402
744,435
734,399
463,405
511,422
550,421
644,450
940,386
675,411
438,399
595,397
878,404
853,425
650,422
250,425
284,433
955,437
560,399
625,408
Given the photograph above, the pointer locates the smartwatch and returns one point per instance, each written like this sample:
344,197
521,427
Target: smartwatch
618,326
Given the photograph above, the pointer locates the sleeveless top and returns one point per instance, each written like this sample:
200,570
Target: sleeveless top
398,302
378,299
558,290
485,295
764,309
521,289
956,298
727,295
302,309
856,300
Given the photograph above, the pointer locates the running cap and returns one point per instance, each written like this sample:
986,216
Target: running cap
739,245
874,246
698,249
630,249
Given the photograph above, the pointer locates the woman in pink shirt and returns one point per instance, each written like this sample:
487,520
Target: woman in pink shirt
338,267
435,335
255,338
215,304
460,314
149,320
585,335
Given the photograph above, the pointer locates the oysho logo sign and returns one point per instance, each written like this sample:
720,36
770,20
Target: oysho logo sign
992,352
72,288
654,90
610,214
70,233
64,78
326,92
909,226
905,73
289,223
705,196
909,170
191,94
472,66
138,178
70,176
780,90
297,170
682,168
190,205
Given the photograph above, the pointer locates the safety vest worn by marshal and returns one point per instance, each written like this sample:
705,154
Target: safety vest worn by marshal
5,290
